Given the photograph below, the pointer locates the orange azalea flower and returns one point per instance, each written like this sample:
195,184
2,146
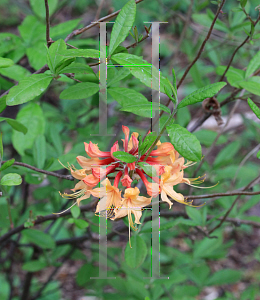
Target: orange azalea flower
167,182
109,194
169,172
132,204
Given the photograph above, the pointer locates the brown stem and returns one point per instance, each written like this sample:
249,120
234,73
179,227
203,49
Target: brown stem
202,46
48,39
253,182
68,177
79,31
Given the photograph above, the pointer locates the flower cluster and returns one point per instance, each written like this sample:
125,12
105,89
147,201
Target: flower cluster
163,166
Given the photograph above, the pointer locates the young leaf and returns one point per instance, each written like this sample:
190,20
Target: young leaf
184,142
38,7
5,62
114,75
251,86
34,266
81,224
243,3
124,156
136,255
201,94
7,164
40,151
77,68
1,147
11,179
63,64
3,103
80,53
53,54
174,80
31,116
145,109
80,91
147,143
127,97
194,214
148,169
141,69
258,155
225,276
15,125
39,238
75,211
28,89
123,24
254,107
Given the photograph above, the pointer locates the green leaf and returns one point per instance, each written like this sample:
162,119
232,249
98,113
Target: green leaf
81,223
136,255
254,107
253,65
39,238
226,276
39,152
80,91
124,156
5,62
38,7
1,147
31,116
169,90
28,89
7,164
258,155
201,94
145,110
32,31
80,53
63,64
127,97
147,143
141,69
78,68
11,179
123,24
63,29
252,87
184,142
34,265
194,214
227,154
114,75
3,103
174,80
15,125
15,72
148,169
243,3
75,211
53,57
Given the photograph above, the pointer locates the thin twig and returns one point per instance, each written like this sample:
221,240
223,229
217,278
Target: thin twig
183,33
252,152
42,219
53,273
252,183
219,134
48,39
106,18
203,45
68,177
